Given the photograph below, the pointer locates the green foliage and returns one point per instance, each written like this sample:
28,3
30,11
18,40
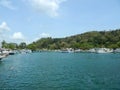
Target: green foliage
12,46
4,44
32,47
22,45
108,39
9,45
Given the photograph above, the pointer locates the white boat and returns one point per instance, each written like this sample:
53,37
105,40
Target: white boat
5,52
77,51
11,52
117,50
103,50
93,50
67,50
23,51
2,56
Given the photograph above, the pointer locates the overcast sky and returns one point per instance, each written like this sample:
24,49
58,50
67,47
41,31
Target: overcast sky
29,20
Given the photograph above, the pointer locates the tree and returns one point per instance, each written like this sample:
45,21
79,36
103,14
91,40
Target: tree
32,47
118,44
12,46
22,45
4,44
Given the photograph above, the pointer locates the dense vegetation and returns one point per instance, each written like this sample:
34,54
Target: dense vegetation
22,45
108,39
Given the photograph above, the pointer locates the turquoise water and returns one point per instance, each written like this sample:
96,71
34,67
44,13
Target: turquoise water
60,71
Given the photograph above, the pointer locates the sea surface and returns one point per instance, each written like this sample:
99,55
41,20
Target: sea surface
60,71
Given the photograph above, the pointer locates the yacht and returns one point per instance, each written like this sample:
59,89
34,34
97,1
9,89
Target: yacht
103,50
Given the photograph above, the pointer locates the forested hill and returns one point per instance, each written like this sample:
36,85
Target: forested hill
108,39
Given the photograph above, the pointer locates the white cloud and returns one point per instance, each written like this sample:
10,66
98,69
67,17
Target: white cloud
4,27
49,7
7,4
18,36
44,35
4,31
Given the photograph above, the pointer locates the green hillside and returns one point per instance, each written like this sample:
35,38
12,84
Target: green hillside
108,39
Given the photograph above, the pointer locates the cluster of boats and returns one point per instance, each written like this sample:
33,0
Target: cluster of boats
94,50
5,52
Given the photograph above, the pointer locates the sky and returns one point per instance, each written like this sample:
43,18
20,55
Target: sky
30,20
